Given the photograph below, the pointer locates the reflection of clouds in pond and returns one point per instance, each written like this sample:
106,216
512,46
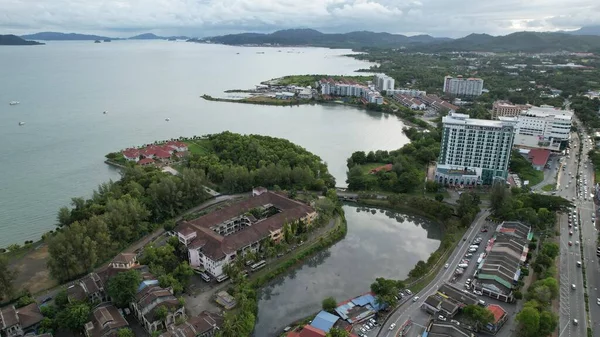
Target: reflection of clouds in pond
383,243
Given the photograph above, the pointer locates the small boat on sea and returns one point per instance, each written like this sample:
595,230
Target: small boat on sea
105,112
167,119
97,41
21,123
13,102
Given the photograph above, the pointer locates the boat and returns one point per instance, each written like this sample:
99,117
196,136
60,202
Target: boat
167,119
172,39
14,102
97,41
105,112
107,40
21,123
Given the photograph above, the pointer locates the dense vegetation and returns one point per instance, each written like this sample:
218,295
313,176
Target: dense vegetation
408,169
6,279
118,213
386,291
310,80
13,40
537,210
587,111
237,163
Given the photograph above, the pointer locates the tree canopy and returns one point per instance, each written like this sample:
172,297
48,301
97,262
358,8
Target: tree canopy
6,278
386,290
329,304
123,287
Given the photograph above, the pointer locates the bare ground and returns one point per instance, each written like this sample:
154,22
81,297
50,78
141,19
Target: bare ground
32,273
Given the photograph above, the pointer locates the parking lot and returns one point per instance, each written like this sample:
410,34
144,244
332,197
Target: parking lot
472,257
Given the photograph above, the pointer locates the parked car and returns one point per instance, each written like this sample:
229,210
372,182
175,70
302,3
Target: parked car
392,326
441,318
416,298
446,265
408,291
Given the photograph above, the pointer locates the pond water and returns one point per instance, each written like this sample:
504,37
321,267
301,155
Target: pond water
379,243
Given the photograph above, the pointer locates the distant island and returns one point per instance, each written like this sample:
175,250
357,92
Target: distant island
13,40
57,36
515,42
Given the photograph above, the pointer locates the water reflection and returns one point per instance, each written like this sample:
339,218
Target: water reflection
379,243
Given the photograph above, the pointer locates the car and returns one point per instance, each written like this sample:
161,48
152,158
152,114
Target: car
577,243
598,301
570,243
408,291
575,322
416,298
47,299
570,225
573,286
441,318
453,321
570,232
469,280
471,250
484,230
446,265
392,326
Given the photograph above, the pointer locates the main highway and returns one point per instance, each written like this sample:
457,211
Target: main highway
589,234
572,305
410,308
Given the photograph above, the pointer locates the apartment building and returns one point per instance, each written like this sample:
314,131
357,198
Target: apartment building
218,238
350,88
544,127
507,109
461,86
383,82
474,151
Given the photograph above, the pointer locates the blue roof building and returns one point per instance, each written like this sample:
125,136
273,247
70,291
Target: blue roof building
324,321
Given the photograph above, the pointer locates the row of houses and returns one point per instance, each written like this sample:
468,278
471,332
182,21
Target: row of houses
498,274
438,104
151,154
106,320
350,88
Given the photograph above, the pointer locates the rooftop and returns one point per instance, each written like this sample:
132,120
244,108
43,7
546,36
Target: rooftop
105,319
539,157
497,310
324,321
217,246
203,323
462,119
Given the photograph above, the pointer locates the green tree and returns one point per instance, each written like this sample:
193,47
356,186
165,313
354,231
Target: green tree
529,319
74,317
548,323
123,287
61,300
7,277
47,325
161,313
386,290
329,304
478,315
125,332
439,197
550,249
24,300
337,332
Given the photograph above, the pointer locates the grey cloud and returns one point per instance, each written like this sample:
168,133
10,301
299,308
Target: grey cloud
211,17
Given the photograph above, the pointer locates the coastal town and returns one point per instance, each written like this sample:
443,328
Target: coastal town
180,246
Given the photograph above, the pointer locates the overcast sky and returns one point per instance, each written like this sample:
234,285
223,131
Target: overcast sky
451,18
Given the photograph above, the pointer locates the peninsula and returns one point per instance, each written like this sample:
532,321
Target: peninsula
13,40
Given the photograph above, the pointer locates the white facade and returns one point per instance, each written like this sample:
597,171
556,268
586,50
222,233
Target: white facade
474,151
407,92
333,88
543,127
461,86
383,82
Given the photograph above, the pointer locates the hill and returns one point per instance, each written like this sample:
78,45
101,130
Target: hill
150,36
311,37
55,36
517,42
13,40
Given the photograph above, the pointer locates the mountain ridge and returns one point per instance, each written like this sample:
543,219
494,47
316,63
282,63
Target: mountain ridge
13,40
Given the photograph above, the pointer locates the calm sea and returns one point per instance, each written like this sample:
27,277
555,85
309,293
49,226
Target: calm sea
64,87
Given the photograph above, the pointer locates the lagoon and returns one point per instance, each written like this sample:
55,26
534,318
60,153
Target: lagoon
379,243
64,87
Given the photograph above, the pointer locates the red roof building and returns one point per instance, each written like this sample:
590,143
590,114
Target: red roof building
386,168
500,317
539,158
146,161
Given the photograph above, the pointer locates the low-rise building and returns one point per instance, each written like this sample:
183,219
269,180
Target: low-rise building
105,321
216,239
446,329
500,317
507,109
438,104
409,102
359,308
206,324
225,300
148,304
18,322
89,288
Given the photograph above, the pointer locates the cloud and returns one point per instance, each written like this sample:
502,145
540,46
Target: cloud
209,17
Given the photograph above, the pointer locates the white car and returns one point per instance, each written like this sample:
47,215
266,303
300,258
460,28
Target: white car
598,301
392,326
446,265
416,298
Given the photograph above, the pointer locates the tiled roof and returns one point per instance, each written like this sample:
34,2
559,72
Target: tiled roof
539,157
198,325
497,310
8,317
216,246
76,293
106,320
146,161
125,258
29,315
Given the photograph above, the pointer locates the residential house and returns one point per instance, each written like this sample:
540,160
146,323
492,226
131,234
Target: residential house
178,146
218,238
146,161
446,329
204,325
500,317
89,288
18,322
148,302
105,321
131,154
124,261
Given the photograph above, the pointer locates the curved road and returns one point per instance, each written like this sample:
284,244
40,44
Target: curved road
410,309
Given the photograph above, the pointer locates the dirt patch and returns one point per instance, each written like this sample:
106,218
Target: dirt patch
32,271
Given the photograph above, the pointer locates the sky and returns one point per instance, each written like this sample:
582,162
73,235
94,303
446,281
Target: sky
201,18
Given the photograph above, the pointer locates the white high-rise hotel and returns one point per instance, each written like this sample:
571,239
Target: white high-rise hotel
460,86
474,151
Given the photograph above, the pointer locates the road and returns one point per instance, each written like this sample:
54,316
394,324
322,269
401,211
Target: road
411,309
572,305
589,235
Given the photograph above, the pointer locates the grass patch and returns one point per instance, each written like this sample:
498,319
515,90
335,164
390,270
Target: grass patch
522,167
365,168
306,80
198,146
549,188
